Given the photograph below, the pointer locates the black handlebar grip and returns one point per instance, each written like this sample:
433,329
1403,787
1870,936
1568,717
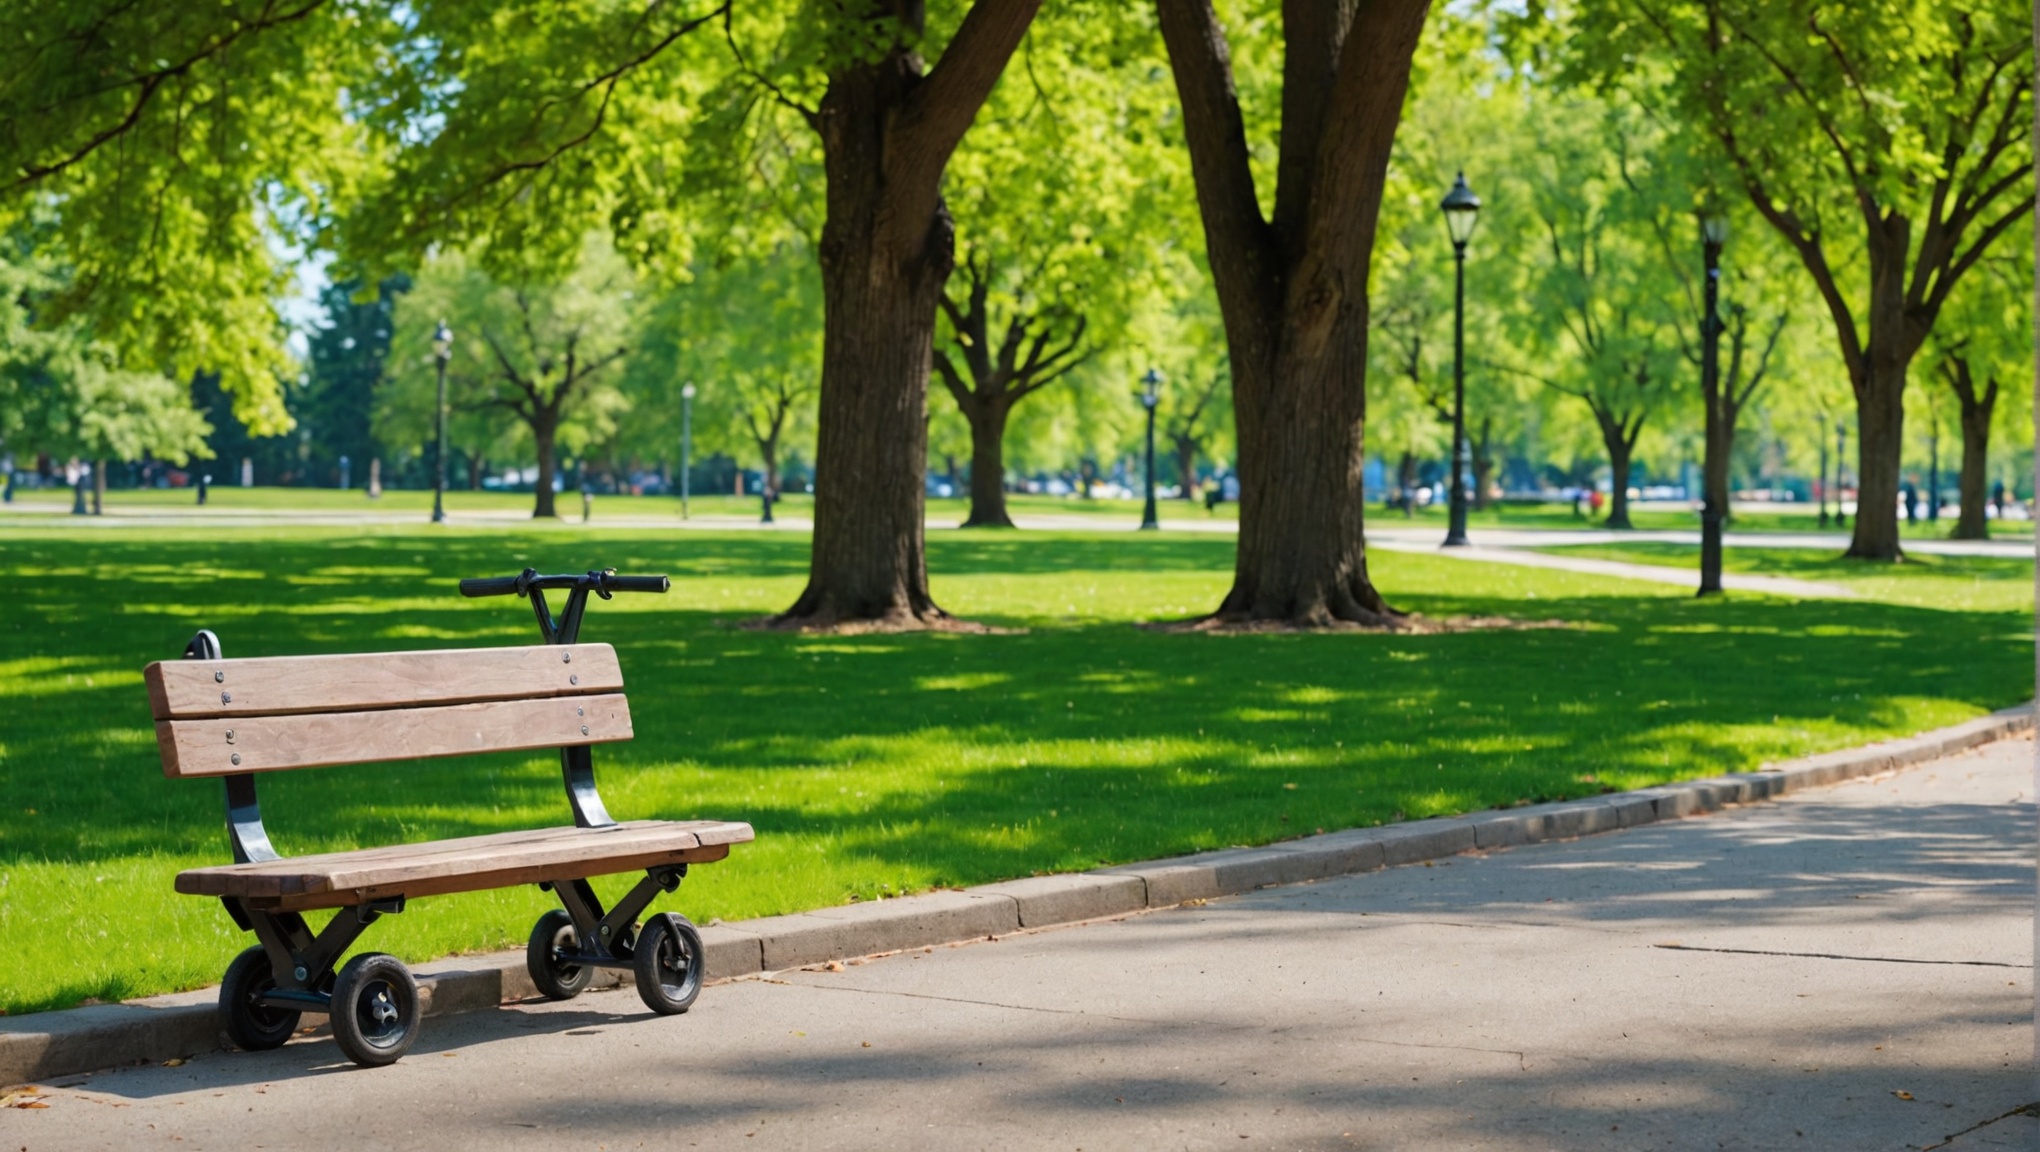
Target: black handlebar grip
639,583
489,586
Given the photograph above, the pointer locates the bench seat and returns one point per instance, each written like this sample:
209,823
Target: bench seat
465,864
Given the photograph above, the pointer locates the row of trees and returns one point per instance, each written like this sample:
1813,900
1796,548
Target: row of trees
997,199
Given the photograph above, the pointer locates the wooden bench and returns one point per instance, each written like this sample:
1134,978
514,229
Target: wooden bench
233,718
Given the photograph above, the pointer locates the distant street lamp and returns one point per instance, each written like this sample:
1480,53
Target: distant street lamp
1150,396
1841,454
1713,233
1462,210
686,442
1820,438
442,351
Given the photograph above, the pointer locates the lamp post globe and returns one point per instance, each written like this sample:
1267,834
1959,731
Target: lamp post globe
1462,212
1150,396
686,444
442,351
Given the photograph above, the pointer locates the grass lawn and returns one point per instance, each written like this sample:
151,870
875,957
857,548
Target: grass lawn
942,512
1970,583
879,765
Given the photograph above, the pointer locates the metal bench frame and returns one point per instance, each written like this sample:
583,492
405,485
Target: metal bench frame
302,962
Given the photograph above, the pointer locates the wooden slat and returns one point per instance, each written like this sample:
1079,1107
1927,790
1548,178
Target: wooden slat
487,881
394,863
469,863
280,685
270,743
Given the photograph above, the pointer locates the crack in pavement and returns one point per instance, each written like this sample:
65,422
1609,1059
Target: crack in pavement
1838,956
2032,1109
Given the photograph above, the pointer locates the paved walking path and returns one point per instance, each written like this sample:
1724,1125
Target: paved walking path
1850,968
1655,573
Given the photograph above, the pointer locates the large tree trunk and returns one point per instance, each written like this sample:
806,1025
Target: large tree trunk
1618,498
1620,448
1880,447
1186,467
869,560
768,453
1293,290
888,244
545,427
987,465
99,487
1972,524
1483,463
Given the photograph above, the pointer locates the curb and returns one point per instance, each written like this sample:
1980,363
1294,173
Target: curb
50,1044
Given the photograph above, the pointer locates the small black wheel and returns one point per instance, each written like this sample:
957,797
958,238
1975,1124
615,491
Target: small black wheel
375,1009
553,934
668,961
252,1026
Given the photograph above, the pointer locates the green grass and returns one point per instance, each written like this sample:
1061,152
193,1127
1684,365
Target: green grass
879,765
1966,583
941,511
223,498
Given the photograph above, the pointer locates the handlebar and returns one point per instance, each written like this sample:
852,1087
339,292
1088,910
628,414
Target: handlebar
602,583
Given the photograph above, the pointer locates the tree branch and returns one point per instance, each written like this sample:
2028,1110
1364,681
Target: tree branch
1239,243
148,84
939,109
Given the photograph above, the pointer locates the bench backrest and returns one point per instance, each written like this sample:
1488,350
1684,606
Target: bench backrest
227,717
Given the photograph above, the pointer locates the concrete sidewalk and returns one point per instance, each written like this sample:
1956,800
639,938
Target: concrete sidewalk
1849,968
1654,573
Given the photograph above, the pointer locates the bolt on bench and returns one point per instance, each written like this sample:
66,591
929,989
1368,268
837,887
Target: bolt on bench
232,718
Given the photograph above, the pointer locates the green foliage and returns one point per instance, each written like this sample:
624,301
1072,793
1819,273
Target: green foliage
1465,113
346,362
65,393
172,150
532,355
1072,192
1887,141
512,128
748,336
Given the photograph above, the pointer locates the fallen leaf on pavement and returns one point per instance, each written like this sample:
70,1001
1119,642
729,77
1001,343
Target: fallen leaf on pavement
1902,1095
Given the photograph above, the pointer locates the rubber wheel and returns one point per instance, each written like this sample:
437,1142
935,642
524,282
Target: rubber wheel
555,933
251,1026
375,1009
668,961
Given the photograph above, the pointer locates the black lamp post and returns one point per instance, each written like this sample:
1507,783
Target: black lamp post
442,351
686,443
1462,209
1713,233
1841,454
1150,396
1820,439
